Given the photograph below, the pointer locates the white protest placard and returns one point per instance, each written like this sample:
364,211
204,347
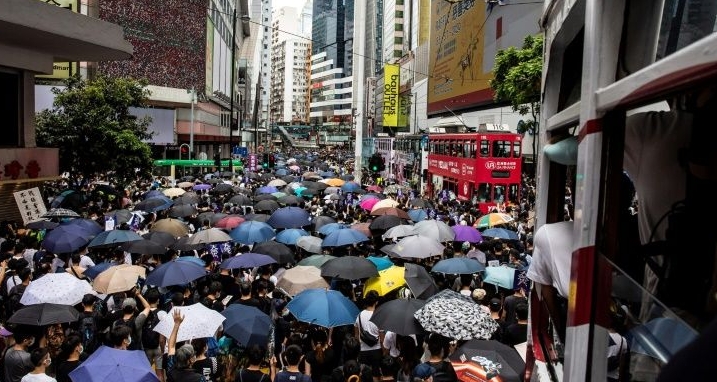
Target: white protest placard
30,204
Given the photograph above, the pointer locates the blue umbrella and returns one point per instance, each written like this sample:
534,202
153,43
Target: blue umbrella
327,308
300,190
175,273
466,233
344,236
152,193
289,236
458,266
247,260
113,237
95,270
66,239
331,227
107,364
246,324
501,276
267,190
327,174
661,337
417,215
201,187
88,225
282,172
501,233
350,186
381,262
192,259
251,232
289,217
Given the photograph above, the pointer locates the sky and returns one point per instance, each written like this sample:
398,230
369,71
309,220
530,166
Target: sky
276,4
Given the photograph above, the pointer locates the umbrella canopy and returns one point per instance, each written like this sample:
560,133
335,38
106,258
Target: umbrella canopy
267,205
289,236
209,236
327,308
182,210
351,186
503,277
368,203
435,229
290,200
112,238
60,213
144,247
466,233
199,322
162,238
399,231
107,364
321,221
315,260
247,324
300,278
390,211
118,278
55,288
458,266
493,219
247,260
66,239
346,236
257,217
175,227
311,244
397,316
241,200
419,281
276,183
42,224
417,215
452,315
175,273
279,252
500,233
120,216
289,217
330,228
381,263
363,228
173,192
387,281
185,184
44,314
492,356
251,232
90,226
154,204
385,203
385,222
417,247
201,187
95,270
182,245
349,268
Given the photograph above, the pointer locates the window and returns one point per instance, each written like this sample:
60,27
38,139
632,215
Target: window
501,149
484,148
516,149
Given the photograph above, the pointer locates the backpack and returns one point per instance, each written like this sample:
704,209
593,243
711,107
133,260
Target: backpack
88,332
150,338
133,332
13,300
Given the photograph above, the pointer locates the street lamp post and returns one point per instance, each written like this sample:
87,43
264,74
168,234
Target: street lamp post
231,91
193,93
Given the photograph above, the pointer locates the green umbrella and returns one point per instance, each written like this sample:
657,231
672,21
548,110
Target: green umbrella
316,260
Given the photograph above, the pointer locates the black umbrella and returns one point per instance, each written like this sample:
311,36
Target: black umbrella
349,268
182,245
265,197
187,198
44,314
182,211
144,247
314,185
384,222
279,252
222,188
214,181
266,205
187,178
288,178
42,224
153,204
257,217
420,203
419,281
213,217
120,216
494,357
290,200
397,316
241,200
162,238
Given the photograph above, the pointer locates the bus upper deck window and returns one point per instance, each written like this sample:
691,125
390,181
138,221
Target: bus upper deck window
516,149
499,193
484,148
483,192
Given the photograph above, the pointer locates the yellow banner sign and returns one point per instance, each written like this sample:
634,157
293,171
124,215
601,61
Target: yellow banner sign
390,95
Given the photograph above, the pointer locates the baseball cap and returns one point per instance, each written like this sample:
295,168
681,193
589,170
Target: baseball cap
495,304
423,371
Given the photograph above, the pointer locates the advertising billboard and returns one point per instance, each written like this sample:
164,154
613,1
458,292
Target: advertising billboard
390,95
64,69
457,78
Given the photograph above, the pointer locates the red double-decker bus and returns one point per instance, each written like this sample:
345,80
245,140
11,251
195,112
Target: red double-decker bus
483,167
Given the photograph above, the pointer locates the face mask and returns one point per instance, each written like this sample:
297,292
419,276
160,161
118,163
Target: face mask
32,342
48,362
81,350
129,341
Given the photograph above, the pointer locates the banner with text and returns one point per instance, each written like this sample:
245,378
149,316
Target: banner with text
30,204
390,95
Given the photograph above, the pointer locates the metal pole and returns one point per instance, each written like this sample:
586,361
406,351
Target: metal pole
191,125
231,90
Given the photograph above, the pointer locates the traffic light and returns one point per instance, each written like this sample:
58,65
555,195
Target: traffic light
265,161
374,163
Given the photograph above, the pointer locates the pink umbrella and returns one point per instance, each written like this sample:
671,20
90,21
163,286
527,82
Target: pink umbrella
367,204
229,222
374,188
295,168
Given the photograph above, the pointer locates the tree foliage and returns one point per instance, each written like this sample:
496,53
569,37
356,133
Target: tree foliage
91,125
517,76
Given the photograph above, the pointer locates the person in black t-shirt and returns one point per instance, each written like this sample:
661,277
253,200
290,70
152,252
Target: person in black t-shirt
208,367
71,355
253,373
246,297
517,333
293,356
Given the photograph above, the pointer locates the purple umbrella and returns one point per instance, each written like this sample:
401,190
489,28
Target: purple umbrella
202,187
467,233
267,190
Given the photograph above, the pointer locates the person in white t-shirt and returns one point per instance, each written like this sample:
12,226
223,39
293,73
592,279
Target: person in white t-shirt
40,358
370,355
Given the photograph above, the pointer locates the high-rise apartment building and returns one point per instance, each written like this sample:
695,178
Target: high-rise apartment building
332,64
291,49
394,37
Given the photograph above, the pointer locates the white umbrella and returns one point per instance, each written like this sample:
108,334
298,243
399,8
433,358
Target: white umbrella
385,203
56,288
399,231
452,315
208,236
311,244
199,322
417,247
435,229
276,183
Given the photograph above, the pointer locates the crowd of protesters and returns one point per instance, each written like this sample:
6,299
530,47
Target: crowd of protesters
299,352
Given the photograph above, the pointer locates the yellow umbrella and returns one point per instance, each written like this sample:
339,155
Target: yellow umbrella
118,278
387,280
334,182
